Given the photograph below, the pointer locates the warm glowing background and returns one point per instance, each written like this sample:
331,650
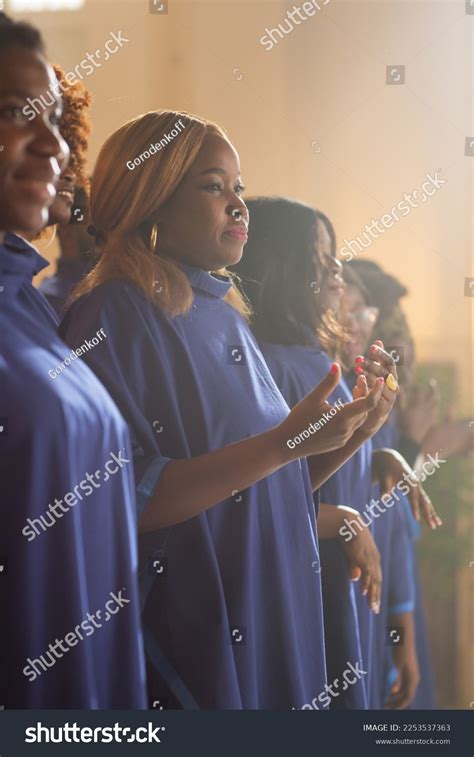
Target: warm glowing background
314,119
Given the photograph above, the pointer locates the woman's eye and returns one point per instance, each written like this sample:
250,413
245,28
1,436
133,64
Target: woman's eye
239,189
214,187
14,113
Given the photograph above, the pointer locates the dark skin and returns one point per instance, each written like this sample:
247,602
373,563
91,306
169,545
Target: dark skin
194,227
60,210
406,662
33,153
204,201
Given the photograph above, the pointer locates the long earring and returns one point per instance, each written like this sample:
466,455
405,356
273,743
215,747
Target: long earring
154,237
53,236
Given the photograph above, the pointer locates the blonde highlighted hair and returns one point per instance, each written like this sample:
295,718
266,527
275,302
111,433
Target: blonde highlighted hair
124,206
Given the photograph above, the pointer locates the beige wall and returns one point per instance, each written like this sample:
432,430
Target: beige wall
324,83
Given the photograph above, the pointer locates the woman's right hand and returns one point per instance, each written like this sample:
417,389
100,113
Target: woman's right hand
337,428
363,558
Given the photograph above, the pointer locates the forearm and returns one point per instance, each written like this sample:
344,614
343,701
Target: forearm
331,518
190,486
402,625
321,467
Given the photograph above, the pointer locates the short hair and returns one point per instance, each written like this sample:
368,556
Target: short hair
352,278
19,34
385,290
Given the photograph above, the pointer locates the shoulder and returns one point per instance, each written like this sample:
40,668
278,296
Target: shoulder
116,292
117,303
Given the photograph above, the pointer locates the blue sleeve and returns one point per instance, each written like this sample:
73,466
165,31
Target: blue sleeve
120,361
401,580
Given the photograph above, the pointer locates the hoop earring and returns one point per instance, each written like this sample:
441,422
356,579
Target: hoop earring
53,237
154,237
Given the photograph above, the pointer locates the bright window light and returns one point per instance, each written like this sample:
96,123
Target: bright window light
22,6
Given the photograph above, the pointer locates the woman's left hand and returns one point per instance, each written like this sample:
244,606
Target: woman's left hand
378,364
389,468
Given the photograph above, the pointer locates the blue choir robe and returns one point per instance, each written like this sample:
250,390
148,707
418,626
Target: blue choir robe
60,647
388,530
232,597
389,436
297,369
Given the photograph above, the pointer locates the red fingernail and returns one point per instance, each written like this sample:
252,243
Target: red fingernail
358,369
334,368
359,359
381,380
374,348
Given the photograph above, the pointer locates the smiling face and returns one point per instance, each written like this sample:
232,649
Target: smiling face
60,210
33,152
204,223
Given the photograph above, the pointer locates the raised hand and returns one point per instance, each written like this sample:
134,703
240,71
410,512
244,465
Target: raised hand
314,426
378,365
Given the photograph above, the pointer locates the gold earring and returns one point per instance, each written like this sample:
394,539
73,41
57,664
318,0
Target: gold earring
51,239
154,237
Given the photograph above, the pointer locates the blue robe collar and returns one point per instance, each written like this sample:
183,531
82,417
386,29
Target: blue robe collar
19,262
211,283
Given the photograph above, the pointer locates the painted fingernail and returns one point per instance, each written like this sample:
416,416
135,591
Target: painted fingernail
381,380
359,359
334,368
364,592
392,383
374,348
358,369
376,607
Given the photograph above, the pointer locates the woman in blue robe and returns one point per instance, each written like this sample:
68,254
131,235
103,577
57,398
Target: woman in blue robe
357,298
289,245
229,550
70,631
424,699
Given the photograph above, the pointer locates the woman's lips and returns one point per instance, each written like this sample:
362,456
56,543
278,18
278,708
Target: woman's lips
67,195
239,234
